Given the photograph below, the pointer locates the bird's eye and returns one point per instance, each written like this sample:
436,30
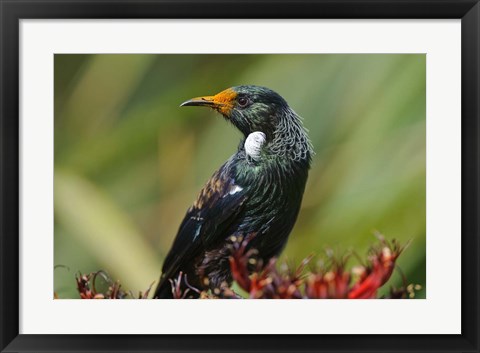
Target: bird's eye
242,101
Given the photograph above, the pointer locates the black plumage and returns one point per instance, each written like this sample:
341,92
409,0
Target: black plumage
257,191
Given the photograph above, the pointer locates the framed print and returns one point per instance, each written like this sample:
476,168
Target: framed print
325,201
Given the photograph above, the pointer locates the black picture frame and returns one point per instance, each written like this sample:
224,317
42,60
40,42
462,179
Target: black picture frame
13,10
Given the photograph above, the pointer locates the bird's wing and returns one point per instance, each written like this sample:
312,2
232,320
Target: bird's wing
213,212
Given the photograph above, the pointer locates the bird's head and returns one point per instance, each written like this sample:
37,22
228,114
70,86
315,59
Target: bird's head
259,111
249,108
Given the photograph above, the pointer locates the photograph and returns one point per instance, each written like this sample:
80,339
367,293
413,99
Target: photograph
239,176
195,157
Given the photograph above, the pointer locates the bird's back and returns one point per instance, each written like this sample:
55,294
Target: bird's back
241,198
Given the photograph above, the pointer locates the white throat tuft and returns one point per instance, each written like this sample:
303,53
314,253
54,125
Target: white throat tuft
254,143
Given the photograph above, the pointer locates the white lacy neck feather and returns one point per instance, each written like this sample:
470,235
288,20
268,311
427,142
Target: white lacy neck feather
254,143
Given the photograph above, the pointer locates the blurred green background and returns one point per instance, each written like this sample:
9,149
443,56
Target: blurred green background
129,161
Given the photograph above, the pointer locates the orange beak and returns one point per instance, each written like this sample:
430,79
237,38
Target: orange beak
223,102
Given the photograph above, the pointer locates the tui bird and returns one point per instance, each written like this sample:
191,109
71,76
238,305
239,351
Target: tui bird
257,191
